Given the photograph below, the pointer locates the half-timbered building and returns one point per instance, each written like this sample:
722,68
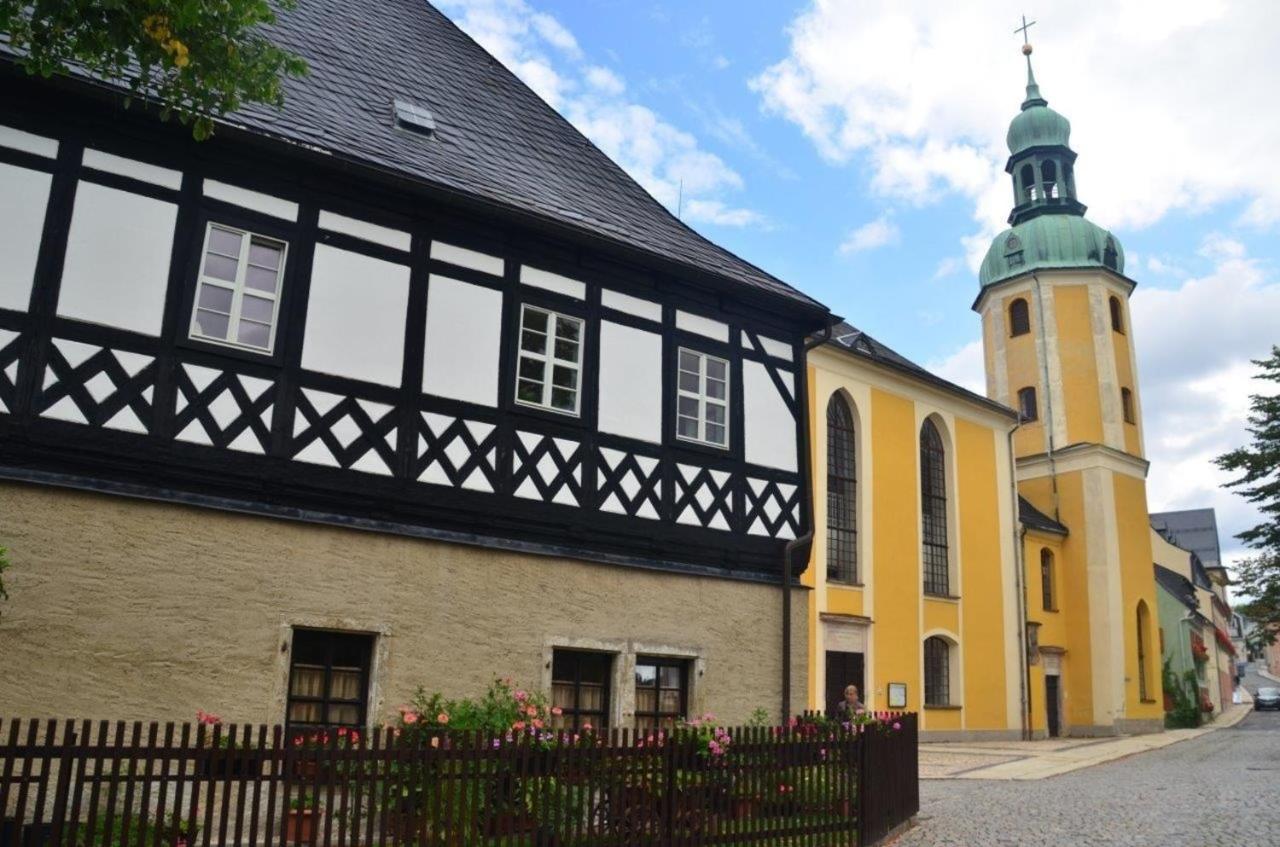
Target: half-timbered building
405,384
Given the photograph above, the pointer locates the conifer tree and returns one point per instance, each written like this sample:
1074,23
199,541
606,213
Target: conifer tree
1258,466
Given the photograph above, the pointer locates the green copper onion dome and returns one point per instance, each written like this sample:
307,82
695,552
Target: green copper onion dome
1048,228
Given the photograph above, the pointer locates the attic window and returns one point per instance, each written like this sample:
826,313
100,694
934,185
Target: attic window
414,118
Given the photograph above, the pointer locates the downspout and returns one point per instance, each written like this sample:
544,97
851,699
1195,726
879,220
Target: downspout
1048,395
1019,538
796,543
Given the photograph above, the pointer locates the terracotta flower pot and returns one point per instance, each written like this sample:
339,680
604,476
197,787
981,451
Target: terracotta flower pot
300,826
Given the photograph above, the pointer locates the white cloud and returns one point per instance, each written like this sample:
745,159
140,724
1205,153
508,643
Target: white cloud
880,232
663,158
964,367
923,93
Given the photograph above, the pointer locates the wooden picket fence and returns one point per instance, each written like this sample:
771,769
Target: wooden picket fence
84,784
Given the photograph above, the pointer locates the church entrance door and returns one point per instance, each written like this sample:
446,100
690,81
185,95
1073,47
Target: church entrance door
843,669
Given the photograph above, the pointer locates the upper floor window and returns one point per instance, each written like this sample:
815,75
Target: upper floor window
662,692
1126,405
937,671
1046,580
328,678
1027,406
933,510
238,293
550,367
702,399
1019,317
842,491
1117,315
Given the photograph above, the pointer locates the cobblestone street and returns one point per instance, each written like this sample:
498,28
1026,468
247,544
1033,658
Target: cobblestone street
1219,790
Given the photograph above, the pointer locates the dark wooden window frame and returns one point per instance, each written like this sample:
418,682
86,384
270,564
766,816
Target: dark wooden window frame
937,671
1028,404
1126,406
660,662
575,715
1019,317
842,492
1117,315
935,546
327,641
1047,594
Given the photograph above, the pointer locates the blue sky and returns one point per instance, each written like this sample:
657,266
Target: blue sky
854,148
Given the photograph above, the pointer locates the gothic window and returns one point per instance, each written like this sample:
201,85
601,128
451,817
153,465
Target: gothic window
1117,315
933,511
238,290
1046,580
1019,317
1126,405
1049,178
937,671
842,493
1027,408
1028,183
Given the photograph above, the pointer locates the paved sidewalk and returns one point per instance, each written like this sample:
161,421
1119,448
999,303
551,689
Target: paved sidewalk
1023,760
1262,673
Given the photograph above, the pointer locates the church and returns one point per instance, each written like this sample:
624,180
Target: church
988,560
385,391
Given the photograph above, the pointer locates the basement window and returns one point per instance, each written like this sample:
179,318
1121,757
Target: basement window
414,118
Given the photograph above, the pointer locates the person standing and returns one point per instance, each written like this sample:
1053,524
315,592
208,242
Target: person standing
851,706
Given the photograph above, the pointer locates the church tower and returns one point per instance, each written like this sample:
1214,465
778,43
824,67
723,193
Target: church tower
1058,342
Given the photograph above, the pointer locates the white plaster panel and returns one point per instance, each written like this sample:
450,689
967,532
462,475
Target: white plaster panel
770,429
112,164
464,341
117,264
553,282
386,236
24,195
690,322
356,316
630,382
464,258
646,309
255,200
16,139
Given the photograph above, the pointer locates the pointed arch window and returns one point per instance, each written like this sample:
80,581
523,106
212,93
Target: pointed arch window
842,492
1117,315
933,511
937,671
1126,405
1019,317
1049,602
1028,409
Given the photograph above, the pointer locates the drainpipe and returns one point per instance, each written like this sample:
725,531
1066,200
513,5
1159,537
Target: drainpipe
1048,395
1019,537
797,543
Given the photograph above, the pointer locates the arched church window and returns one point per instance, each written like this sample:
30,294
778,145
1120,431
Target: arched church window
1019,317
937,671
1027,407
1049,178
1117,315
1028,183
842,493
1110,256
1046,580
933,511
1126,405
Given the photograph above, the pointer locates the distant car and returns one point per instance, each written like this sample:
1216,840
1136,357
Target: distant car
1267,698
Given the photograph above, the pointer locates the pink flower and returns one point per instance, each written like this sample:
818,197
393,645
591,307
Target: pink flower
435,741
556,710
586,727
410,717
521,696
518,726
342,731
442,718
537,724
532,711
897,725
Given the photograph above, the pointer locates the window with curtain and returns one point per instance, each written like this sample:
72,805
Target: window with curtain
1046,580
662,692
933,511
328,679
842,491
1019,317
937,672
580,687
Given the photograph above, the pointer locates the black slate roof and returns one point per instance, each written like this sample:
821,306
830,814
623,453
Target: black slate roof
849,338
1177,585
1033,518
495,139
1192,529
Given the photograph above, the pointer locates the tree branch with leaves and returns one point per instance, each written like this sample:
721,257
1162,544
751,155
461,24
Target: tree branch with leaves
1258,481
198,59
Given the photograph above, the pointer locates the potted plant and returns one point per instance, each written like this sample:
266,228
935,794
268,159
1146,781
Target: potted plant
300,821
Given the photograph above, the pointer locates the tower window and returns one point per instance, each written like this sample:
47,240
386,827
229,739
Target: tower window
1046,580
1049,178
842,493
933,510
1019,317
1126,405
1027,406
1028,183
1117,315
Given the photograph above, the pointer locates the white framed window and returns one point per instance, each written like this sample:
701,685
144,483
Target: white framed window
702,399
238,293
549,371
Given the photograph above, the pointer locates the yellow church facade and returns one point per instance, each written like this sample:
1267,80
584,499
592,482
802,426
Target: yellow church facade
1002,581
